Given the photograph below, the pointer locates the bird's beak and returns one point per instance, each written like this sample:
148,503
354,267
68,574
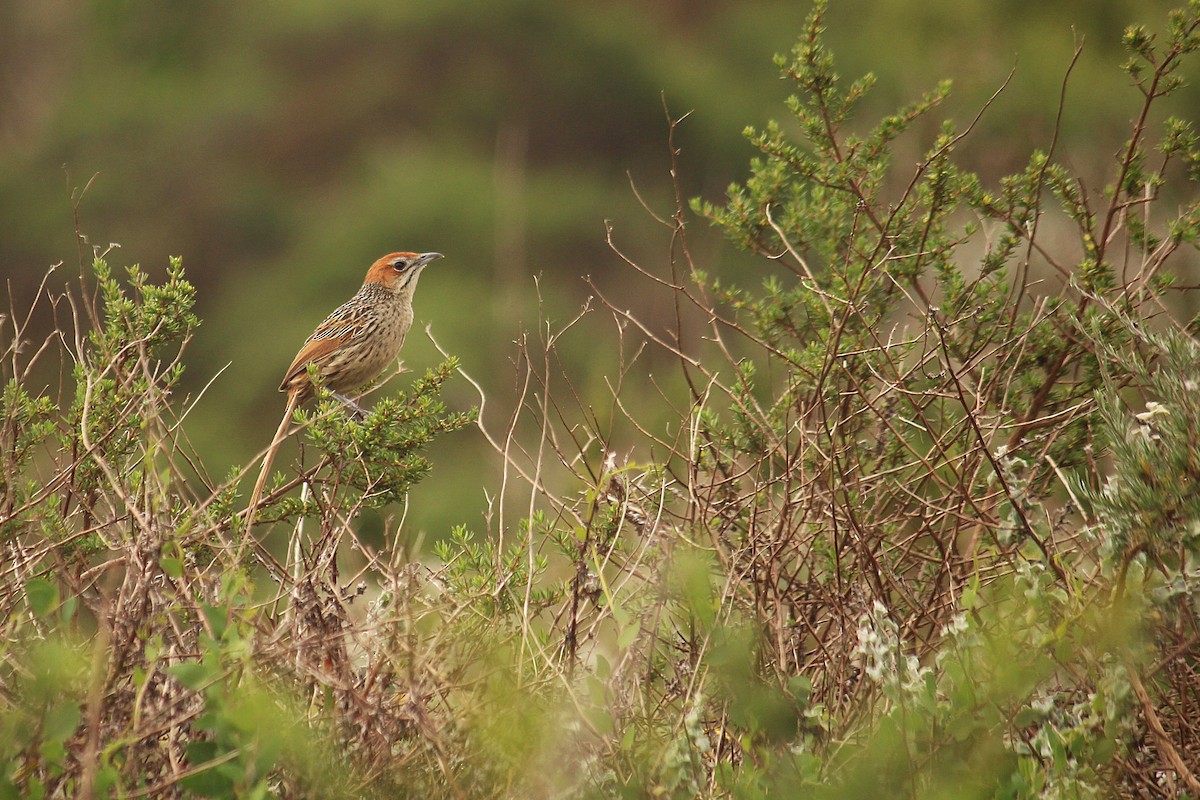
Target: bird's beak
425,258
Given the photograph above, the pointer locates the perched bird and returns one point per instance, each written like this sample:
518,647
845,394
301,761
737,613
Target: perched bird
353,345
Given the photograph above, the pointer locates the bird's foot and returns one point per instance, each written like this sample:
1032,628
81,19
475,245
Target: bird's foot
358,412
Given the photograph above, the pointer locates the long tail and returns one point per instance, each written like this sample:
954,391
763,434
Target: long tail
269,459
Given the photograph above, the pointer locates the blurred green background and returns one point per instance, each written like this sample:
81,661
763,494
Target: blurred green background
281,147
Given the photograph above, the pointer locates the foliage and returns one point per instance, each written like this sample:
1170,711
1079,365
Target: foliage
924,522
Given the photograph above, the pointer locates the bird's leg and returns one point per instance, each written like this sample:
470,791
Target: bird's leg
358,411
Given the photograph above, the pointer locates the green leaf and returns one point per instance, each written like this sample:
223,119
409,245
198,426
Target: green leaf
603,668
43,596
800,687
628,635
209,782
217,617
192,674
1027,716
61,721
172,566
601,719
106,778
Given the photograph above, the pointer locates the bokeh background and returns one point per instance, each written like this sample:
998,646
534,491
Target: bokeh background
279,147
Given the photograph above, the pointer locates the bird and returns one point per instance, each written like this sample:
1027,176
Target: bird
352,346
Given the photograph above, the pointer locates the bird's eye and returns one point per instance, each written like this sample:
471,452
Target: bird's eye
399,265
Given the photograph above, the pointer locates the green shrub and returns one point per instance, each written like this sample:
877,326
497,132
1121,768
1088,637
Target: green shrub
922,519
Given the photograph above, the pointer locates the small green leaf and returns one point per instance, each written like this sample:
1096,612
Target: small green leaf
66,611
619,613
217,617
628,635
1027,716
43,596
603,668
106,778
60,722
800,687
209,782
601,719
172,566
192,674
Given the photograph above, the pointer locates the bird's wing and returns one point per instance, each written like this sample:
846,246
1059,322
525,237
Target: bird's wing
338,329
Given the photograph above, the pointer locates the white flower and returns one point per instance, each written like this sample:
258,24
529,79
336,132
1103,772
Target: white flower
1153,410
